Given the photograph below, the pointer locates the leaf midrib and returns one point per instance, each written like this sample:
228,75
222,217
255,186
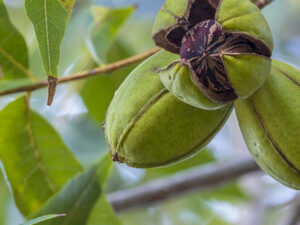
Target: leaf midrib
47,37
81,196
17,64
51,186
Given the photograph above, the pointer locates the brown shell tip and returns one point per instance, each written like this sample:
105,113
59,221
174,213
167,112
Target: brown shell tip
115,157
52,83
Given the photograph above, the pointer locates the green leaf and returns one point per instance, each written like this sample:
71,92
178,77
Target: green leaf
104,30
10,84
103,214
49,18
142,38
13,50
105,86
4,200
79,196
41,219
36,160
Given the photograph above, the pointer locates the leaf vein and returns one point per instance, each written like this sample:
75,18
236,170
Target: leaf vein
17,64
35,150
47,37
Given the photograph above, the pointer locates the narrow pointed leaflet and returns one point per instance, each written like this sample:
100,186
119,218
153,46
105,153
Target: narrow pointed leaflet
50,18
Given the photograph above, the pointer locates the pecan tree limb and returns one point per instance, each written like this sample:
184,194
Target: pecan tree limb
86,74
204,177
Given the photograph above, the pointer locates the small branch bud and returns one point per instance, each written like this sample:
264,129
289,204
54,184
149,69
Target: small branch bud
52,82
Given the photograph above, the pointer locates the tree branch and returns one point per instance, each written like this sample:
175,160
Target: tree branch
209,176
262,3
295,215
86,74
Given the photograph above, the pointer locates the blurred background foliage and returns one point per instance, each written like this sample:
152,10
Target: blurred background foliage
97,35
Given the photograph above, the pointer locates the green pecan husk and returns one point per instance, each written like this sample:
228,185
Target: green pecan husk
146,126
270,123
226,44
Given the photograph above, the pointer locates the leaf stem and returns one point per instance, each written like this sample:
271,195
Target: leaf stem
86,74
